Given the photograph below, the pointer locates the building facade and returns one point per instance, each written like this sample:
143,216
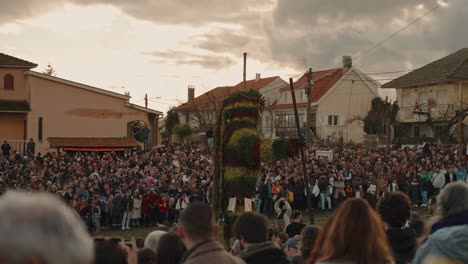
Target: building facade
439,88
39,106
340,98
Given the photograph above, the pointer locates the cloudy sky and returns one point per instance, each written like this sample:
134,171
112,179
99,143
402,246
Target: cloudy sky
160,47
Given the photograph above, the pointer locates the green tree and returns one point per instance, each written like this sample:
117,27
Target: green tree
172,120
374,122
183,131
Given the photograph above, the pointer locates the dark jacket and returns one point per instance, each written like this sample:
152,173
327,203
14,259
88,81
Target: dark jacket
267,252
209,252
403,244
294,229
127,204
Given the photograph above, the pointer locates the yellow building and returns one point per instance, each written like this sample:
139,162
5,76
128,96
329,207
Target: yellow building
58,113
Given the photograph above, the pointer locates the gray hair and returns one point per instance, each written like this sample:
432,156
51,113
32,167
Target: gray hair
152,240
453,199
41,226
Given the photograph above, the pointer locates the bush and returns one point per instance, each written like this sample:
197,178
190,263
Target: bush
266,151
280,149
183,131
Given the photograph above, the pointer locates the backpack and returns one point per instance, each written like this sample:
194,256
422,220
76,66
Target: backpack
290,196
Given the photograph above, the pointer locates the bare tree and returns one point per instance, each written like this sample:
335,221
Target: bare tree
440,118
205,113
49,70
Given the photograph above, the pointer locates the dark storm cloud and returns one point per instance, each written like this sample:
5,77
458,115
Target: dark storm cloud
209,61
278,32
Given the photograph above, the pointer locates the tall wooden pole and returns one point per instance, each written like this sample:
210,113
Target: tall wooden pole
308,134
460,122
387,132
305,179
245,69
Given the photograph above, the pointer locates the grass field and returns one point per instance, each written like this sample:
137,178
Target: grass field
140,233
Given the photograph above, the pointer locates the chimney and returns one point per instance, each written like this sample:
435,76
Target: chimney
191,93
347,62
257,76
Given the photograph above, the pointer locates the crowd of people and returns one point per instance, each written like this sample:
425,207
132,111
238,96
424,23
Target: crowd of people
157,187
40,228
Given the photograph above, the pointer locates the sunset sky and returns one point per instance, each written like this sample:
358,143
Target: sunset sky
160,47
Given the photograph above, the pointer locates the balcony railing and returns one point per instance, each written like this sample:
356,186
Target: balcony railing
16,145
438,111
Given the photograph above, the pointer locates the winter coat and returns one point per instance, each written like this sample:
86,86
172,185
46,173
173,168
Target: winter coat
403,244
267,252
450,242
283,212
209,252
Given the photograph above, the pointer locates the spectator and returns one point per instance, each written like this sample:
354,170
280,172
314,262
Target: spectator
340,240
6,149
136,211
448,237
126,207
282,238
170,249
109,251
252,231
281,225
31,147
432,205
39,228
308,236
296,226
152,240
209,136
291,248
199,231
395,210
146,256
283,210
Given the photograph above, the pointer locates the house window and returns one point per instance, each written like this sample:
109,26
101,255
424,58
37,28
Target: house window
406,100
423,98
332,120
442,97
285,97
39,129
9,82
285,123
301,95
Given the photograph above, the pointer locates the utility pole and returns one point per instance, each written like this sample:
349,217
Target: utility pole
460,121
146,100
387,133
245,69
308,91
305,179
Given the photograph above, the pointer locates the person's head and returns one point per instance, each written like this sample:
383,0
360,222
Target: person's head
308,236
395,209
453,199
146,256
291,247
197,224
170,249
281,225
109,251
152,240
282,238
343,234
40,228
296,217
251,228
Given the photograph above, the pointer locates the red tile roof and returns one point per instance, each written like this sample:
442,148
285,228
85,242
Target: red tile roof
92,142
218,94
323,81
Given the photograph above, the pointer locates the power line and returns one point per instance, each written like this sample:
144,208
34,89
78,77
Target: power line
434,8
